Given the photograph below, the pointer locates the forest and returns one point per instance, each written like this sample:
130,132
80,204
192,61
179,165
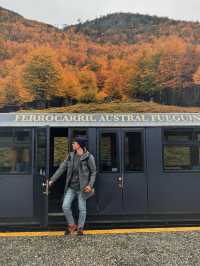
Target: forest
120,56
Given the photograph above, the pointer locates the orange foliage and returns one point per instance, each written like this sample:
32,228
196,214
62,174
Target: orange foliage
38,61
42,74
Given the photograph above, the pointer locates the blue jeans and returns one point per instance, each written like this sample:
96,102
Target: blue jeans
66,206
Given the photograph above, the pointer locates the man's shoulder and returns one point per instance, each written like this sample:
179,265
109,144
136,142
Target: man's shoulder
90,155
69,155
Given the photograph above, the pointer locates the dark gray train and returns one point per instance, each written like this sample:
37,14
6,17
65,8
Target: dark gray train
148,166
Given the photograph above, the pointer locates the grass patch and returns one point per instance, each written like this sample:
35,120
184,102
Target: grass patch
119,107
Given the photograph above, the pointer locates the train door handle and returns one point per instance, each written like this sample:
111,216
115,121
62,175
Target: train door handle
45,185
120,182
120,185
42,172
119,178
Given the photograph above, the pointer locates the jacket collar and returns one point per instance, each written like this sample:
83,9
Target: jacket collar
83,157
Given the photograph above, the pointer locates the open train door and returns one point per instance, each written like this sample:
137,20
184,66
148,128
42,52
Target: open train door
42,144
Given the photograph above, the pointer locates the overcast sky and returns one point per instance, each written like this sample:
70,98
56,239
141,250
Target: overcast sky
58,12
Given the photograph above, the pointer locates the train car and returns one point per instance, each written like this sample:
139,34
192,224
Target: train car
148,166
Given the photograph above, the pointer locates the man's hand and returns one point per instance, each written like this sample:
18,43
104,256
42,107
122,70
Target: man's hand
50,183
87,189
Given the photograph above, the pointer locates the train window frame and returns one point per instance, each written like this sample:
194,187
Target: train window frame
38,136
6,130
14,145
117,151
176,169
22,142
181,130
196,130
193,144
142,149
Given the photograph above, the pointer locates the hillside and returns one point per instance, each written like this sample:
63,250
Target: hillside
7,15
120,56
132,28
114,28
14,27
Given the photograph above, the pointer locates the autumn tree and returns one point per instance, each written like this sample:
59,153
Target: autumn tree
70,87
42,74
196,76
142,83
88,85
117,79
2,95
4,51
172,51
13,91
99,65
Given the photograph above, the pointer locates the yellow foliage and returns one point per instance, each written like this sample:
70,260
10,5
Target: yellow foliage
196,76
70,86
42,75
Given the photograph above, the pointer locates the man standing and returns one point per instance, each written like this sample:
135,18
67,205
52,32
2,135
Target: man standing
80,178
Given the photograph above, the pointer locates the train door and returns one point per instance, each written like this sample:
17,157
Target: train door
121,183
60,146
42,173
109,181
16,175
134,171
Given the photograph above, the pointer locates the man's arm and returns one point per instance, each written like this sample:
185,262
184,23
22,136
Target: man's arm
92,166
60,170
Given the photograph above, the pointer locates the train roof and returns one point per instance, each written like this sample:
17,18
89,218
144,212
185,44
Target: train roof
42,119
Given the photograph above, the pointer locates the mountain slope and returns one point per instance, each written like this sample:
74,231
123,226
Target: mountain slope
15,27
114,28
132,28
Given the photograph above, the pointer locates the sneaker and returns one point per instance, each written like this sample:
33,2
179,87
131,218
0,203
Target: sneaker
66,232
71,229
80,231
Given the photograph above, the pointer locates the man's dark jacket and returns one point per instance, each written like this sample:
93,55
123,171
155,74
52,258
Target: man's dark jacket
87,171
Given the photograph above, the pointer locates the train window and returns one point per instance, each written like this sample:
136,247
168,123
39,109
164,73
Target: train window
22,136
180,149
79,132
197,136
60,150
15,158
6,136
177,157
178,135
109,161
133,151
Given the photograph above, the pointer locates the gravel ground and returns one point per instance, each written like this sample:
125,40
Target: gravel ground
127,249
